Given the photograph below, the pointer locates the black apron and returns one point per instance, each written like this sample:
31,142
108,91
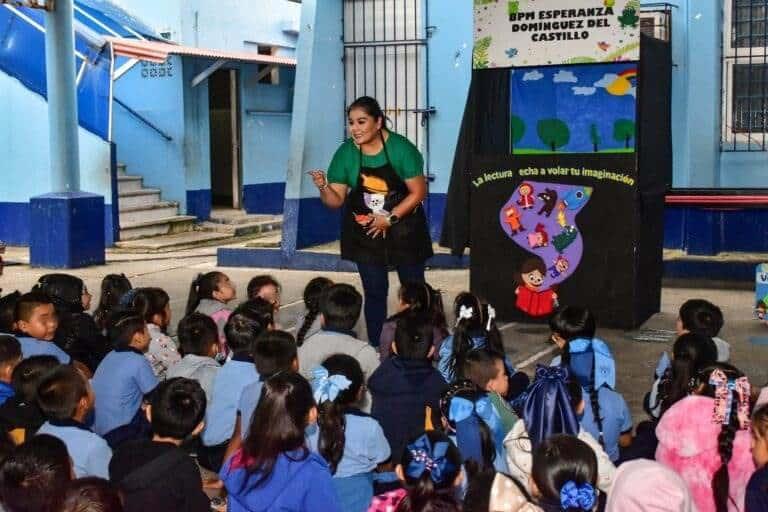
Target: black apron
378,191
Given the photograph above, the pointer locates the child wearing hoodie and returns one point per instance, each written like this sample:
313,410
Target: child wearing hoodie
274,469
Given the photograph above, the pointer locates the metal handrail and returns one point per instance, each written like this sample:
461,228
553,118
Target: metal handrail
143,120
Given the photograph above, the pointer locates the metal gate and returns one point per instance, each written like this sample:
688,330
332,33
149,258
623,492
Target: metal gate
385,56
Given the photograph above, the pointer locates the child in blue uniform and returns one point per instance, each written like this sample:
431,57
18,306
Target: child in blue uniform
274,469
351,441
36,324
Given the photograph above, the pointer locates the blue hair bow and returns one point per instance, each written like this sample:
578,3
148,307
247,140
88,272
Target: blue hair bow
602,359
461,409
426,457
577,496
327,387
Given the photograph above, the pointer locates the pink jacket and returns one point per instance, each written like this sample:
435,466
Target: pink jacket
688,445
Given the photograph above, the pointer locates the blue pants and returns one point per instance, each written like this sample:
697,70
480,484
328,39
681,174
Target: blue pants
376,289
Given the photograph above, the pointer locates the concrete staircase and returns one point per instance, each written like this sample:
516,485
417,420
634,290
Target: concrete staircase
150,224
144,214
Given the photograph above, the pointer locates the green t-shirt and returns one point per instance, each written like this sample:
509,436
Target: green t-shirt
403,155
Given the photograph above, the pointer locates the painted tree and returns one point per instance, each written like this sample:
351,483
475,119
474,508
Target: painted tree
554,133
624,131
516,130
480,52
594,136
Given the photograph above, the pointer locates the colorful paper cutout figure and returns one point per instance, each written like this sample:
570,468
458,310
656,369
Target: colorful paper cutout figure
761,292
536,280
532,297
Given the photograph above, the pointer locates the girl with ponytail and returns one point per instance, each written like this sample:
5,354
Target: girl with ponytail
420,298
590,362
153,304
705,438
209,294
430,470
352,442
308,322
475,328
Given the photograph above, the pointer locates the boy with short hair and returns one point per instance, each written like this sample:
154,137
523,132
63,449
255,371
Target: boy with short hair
157,474
406,384
199,344
36,322
246,323
487,371
20,416
10,357
340,308
66,398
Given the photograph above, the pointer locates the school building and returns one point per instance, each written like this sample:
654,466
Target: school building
269,84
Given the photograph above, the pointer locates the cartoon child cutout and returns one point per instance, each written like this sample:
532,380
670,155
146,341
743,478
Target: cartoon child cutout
512,218
526,196
561,214
540,238
558,267
531,299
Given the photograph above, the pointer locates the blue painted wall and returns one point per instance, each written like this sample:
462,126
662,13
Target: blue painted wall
266,127
315,130
158,99
25,159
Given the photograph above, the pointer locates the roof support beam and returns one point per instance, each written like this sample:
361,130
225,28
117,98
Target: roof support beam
264,72
203,76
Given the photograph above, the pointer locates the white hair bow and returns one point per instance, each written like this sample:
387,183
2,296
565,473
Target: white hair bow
465,313
327,387
491,317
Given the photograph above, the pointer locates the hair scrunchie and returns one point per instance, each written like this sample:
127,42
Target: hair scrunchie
573,495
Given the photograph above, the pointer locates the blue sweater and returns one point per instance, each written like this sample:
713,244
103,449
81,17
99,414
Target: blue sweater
299,482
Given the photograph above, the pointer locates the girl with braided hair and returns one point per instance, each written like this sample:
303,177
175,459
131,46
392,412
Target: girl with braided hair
308,322
705,438
606,414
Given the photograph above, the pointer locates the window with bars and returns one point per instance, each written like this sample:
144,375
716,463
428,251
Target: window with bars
745,75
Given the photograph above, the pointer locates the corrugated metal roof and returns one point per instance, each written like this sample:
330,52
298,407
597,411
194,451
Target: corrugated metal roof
155,51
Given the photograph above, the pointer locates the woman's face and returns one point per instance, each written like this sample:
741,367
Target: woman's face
362,127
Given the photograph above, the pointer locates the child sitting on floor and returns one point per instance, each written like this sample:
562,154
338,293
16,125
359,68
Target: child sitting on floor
199,344
36,324
351,441
209,294
157,474
66,399
20,415
155,306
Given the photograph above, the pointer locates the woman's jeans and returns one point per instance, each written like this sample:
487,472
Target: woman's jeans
376,289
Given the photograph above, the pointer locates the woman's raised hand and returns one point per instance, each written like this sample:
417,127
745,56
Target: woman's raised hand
319,179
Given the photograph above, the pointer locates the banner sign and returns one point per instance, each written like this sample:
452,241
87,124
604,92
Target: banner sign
553,32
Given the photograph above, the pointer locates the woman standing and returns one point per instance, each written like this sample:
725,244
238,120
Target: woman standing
377,176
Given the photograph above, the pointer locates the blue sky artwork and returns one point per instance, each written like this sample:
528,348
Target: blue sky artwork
584,108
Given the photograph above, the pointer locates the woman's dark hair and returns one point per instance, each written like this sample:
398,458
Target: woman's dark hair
721,479
699,315
369,105
246,323
278,424
482,461
66,292
467,330
691,352
197,332
113,287
28,374
258,282
202,287
424,493
558,460
91,494
312,293
149,302
331,412
7,311
33,477
414,335
123,325
422,298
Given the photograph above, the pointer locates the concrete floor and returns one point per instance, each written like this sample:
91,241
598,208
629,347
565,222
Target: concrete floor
527,344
